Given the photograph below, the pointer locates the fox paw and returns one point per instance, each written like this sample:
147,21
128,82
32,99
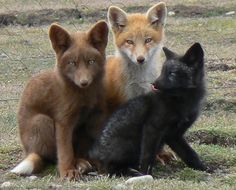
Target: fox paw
84,166
71,175
165,156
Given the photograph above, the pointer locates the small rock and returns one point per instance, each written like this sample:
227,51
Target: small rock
5,184
32,177
3,55
55,186
230,13
171,13
119,187
93,173
140,179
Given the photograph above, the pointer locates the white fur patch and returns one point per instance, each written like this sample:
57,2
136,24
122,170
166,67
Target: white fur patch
140,77
26,167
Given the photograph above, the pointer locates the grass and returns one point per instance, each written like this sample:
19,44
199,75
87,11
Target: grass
25,51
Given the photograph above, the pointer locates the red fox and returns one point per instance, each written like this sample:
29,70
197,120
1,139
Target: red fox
56,101
138,40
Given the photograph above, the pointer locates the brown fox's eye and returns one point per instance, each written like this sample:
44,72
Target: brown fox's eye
130,42
72,63
148,40
91,62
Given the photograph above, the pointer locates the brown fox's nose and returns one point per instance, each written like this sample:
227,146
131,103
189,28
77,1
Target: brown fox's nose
140,59
84,83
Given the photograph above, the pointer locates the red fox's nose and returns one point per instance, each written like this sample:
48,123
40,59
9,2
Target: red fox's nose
84,83
140,59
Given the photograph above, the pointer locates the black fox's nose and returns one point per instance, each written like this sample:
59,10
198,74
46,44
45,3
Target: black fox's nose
140,59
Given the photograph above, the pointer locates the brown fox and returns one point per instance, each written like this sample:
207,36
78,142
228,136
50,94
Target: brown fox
138,39
57,103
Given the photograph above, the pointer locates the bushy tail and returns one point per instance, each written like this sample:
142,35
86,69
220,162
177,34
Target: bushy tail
33,163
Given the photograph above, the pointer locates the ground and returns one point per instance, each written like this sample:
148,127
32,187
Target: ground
25,50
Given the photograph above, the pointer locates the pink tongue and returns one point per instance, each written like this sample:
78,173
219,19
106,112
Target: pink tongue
154,88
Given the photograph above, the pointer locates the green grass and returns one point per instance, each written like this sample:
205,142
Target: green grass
26,51
216,155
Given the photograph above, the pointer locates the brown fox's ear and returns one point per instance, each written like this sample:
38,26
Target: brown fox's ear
157,15
117,18
60,38
98,36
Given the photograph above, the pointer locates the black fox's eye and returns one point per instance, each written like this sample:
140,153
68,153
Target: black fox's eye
91,62
148,40
72,63
130,42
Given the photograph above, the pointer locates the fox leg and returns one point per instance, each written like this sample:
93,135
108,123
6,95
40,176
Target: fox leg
151,139
38,138
186,153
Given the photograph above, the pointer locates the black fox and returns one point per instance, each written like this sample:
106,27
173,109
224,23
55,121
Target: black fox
138,130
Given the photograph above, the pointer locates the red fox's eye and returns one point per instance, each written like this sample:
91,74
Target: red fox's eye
130,42
72,63
148,40
91,62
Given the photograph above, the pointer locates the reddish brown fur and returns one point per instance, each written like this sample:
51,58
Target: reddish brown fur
51,102
114,80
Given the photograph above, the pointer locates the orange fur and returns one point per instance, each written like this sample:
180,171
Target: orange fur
135,36
115,82
55,103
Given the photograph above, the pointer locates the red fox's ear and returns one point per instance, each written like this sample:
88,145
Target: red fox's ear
157,15
98,36
117,18
59,37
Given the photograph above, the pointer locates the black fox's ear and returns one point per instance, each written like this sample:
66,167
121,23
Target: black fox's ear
60,38
117,18
157,15
98,36
194,55
168,53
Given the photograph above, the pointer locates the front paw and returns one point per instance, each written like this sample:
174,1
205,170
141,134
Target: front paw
205,168
165,156
70,174
134,173
209,170
83,166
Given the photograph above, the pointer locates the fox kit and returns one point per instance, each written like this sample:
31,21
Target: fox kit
138,40
142,126
54,102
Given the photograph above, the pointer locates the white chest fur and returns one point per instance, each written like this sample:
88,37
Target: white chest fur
140,77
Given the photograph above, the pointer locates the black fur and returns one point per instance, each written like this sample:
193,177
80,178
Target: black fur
138,130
